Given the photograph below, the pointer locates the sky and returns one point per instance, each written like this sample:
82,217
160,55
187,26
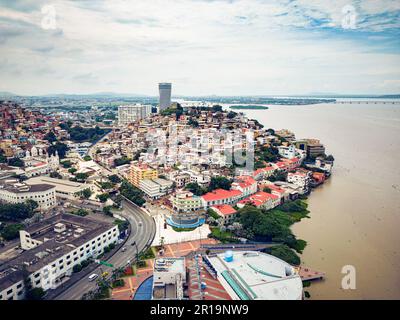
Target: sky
204,47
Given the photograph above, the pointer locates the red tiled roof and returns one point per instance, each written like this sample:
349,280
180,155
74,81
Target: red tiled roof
220,194
259,198
225,209
275,188
245,181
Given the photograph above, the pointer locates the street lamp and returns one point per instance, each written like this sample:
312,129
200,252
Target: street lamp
137,251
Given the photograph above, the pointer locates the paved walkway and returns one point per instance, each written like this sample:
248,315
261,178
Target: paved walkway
132,283
213,291
171,250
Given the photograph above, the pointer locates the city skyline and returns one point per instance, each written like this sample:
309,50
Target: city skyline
221,48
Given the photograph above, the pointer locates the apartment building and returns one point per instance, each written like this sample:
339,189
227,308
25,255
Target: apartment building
131,113
12,191
226,212
52,248
64,189
186,201
141,172
261,199
155,188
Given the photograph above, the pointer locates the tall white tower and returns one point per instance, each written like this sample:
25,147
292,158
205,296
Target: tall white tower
165,95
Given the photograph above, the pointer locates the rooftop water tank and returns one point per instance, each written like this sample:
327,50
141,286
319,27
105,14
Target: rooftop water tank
228,256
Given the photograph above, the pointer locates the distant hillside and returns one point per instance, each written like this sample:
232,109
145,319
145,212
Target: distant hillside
5,94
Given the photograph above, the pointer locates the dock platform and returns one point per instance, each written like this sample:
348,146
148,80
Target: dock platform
308,274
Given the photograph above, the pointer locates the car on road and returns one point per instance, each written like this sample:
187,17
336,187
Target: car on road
93,277
140,223
123,249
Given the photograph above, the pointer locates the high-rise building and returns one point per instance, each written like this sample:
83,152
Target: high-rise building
165,95
131,113
141,172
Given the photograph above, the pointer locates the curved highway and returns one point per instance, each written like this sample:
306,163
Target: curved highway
143,230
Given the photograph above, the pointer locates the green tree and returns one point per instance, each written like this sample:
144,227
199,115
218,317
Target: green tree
193,123
85,193
121,161
60,147
3,158
16,162
132,193
72,170
66,164
219,182
80,212
114,179
103,197
11,231
231,114
15,212
87,158
81,176
266,189
50,137
35,294
195,188
77,268
286,254
107,211
32,204
216,108
330,158
55,174
212,213
122,224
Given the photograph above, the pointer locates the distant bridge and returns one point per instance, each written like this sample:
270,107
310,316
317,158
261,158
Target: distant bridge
238,246
367,102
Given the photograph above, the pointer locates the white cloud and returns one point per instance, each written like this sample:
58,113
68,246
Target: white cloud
204,47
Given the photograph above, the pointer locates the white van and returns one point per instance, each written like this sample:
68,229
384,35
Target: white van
93,277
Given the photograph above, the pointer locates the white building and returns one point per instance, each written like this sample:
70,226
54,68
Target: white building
169,276
299,178
165,95
52,248
37,162
64,189
13,191
291,152
246,184
186,201
251,275
128,114
226,212
155,188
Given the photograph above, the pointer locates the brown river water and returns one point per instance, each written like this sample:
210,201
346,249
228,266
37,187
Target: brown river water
355,215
